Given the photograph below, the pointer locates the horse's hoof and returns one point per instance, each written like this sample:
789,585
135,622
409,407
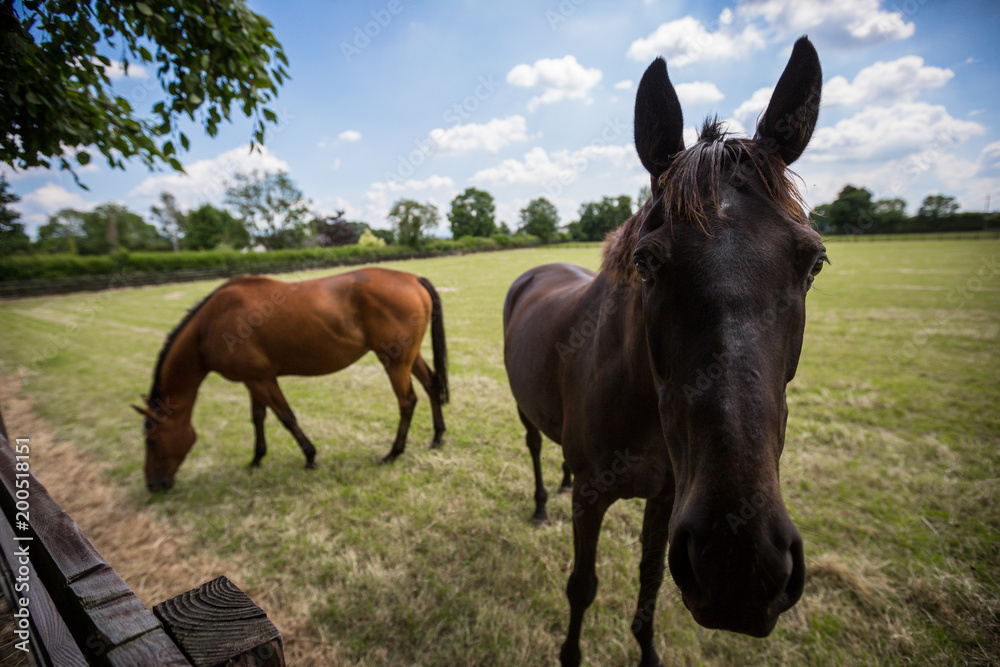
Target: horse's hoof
539,520
565,489
253,465
388,458
310,465
437,444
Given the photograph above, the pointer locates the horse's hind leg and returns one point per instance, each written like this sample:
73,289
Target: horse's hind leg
425,376
533,438
567,481
268,393
399,376
258,411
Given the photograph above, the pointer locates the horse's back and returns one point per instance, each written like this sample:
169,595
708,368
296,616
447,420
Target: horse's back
258,327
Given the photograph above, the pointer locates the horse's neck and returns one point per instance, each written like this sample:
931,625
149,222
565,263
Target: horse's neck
622,325
183,371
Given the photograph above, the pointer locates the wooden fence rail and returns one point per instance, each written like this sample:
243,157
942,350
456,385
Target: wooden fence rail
71,608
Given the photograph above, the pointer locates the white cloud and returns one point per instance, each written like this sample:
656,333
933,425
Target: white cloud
116,71
536,167
698,92
563,167
989,160
858,21
687,40
349,136
624,85
207,180
562,79
36,206
878,132
377,197
884,82
491,136
753,107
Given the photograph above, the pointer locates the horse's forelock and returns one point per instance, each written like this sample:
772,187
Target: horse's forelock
691,186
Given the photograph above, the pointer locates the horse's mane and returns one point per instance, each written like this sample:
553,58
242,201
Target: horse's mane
155,391
691,186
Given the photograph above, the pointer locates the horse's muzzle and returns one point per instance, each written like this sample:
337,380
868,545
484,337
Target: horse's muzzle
738,582
160,484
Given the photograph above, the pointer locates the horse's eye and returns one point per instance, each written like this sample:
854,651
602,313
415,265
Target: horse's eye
645,275
817,267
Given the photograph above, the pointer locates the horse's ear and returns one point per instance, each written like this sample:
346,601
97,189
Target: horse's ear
788,123
659,124
145,412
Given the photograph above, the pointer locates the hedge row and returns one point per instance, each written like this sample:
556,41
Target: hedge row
34,267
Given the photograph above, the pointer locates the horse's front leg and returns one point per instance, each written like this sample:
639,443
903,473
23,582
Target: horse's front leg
588,513
655,523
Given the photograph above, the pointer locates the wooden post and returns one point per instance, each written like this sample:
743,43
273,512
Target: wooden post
217,624
50,557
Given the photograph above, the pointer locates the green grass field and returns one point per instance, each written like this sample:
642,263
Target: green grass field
890,471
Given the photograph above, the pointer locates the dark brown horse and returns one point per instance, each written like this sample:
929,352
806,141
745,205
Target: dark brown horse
663,376
254,329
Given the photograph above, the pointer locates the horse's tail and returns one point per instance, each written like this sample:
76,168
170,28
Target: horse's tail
438,343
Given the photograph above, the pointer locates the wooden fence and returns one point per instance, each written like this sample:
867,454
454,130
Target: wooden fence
71,608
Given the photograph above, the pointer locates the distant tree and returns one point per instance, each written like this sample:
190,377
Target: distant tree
336,230
936,207
208,227
411,221
272,208
851,213
890,216
368,239
13,240
472,214
599,218
56,91
171,218
644,193
111,227
61,232
504,228
387,235
540,218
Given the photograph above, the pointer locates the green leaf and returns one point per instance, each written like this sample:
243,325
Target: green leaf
270,115
144,8
32,98
168,148
184,141
83,157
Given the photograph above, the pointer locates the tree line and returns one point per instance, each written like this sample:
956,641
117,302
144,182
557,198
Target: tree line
268,211
855,212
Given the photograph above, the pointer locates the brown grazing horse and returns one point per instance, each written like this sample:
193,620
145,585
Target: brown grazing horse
663,376
253,329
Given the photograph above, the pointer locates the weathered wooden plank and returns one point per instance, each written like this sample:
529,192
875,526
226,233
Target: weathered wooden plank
99,609
49,640
217,624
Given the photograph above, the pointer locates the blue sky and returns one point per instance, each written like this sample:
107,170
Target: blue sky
398,98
